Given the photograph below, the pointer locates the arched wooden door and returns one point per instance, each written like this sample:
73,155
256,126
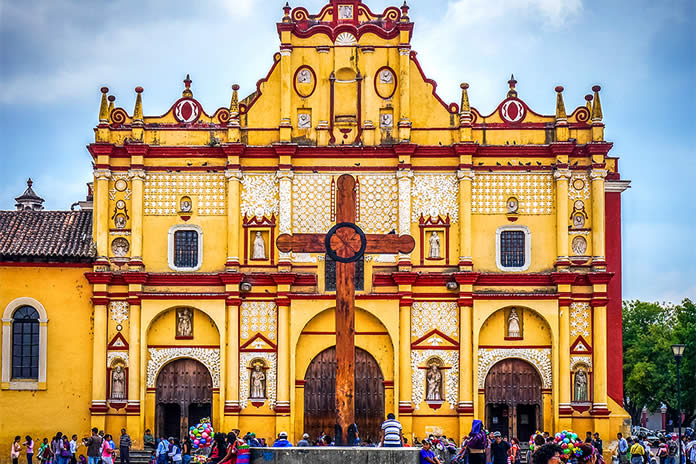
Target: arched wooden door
184,395
320,391
513,398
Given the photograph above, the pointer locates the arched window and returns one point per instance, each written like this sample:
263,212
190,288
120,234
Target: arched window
25,343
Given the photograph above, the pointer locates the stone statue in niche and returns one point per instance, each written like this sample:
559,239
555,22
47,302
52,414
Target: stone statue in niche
118,383
579,245
304,121
304,76
386,77
185,206
580,390
184,322
345,12
120,247
257,387
514,327
433,383
386,120
259,250
434,246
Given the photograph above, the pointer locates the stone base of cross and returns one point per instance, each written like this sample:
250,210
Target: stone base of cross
345,243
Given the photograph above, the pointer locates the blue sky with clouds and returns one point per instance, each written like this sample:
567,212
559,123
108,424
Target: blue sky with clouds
56,54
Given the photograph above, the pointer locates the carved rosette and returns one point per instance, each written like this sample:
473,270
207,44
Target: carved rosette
119,311
259,196
245,360
540,358
429,315
435,195
257,316
209,357
419,360
580,320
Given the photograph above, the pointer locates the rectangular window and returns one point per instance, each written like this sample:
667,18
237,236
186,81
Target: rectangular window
186,248
512,248
330,274
25,351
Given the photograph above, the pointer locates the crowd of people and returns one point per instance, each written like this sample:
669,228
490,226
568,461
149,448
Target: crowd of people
478,447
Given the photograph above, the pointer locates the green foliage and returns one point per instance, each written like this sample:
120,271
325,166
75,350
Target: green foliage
650,373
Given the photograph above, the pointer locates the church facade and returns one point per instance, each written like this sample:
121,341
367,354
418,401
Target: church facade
166,299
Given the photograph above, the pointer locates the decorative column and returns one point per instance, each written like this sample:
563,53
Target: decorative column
600,374
286,87
99,408
562,177
405,281
598,239
283,282
101,212
405,178
137,176
133,422
465,409
234,180
285,210
404,92
465,177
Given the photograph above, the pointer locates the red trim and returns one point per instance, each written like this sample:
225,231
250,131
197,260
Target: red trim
452,107
574,346
395,83
314,81
414,344
614,335
273,346
184,346
46,264
437,223
112,344
243,109
513,346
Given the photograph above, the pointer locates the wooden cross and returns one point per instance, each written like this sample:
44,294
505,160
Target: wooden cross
345,243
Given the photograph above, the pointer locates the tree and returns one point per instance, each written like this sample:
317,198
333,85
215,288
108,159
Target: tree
649,330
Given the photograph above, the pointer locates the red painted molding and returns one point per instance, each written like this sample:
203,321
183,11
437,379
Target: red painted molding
231,410
466,278
282,409
465,409
87,265
513,346
98,277
273,346
406,409
112,344
135,277
415,343
404,278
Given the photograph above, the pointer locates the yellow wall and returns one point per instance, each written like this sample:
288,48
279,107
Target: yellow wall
65,294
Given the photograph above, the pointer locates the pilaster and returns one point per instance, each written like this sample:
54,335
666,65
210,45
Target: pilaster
404,92
137,176
234,179
98,408
286,88
285,212
465,177
598,219
562,176
405,180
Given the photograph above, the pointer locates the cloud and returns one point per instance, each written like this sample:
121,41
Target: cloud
552,12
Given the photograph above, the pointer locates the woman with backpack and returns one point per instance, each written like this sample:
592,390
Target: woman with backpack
65,450
175,451
44,454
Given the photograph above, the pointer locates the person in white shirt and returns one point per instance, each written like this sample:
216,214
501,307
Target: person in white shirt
73,449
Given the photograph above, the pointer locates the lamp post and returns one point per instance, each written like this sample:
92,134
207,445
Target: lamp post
678,352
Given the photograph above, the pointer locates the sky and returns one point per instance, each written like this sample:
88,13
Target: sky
56,54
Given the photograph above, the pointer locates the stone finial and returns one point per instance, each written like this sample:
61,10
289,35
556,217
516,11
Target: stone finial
404,12
29,200
233,121
138,111
187,90
588,99
512,93
286,12
234,102
104,107
111,99
464,106
596,105
560,106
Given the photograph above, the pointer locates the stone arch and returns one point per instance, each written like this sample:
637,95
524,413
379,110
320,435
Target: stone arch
536,329
171,310
382,350
7,340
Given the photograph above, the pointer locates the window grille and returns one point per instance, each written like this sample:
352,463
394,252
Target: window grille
25,343
186,248
512,248
330,274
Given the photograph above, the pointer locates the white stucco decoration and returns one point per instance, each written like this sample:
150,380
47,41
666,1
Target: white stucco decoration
429,315
259,196
580,320
435,195
540,358
257,316
271,377
209,357
379,203
311,203
163,191
576,361
490,192
111,356
450,359
119,311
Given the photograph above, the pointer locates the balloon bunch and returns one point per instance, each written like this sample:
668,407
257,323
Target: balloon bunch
202,434
199,458
569,442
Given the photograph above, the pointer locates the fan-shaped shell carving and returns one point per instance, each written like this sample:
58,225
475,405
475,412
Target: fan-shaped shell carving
346,38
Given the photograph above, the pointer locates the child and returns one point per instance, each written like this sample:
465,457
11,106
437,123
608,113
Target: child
107,450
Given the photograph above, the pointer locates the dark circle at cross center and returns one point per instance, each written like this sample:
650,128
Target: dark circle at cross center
345,242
